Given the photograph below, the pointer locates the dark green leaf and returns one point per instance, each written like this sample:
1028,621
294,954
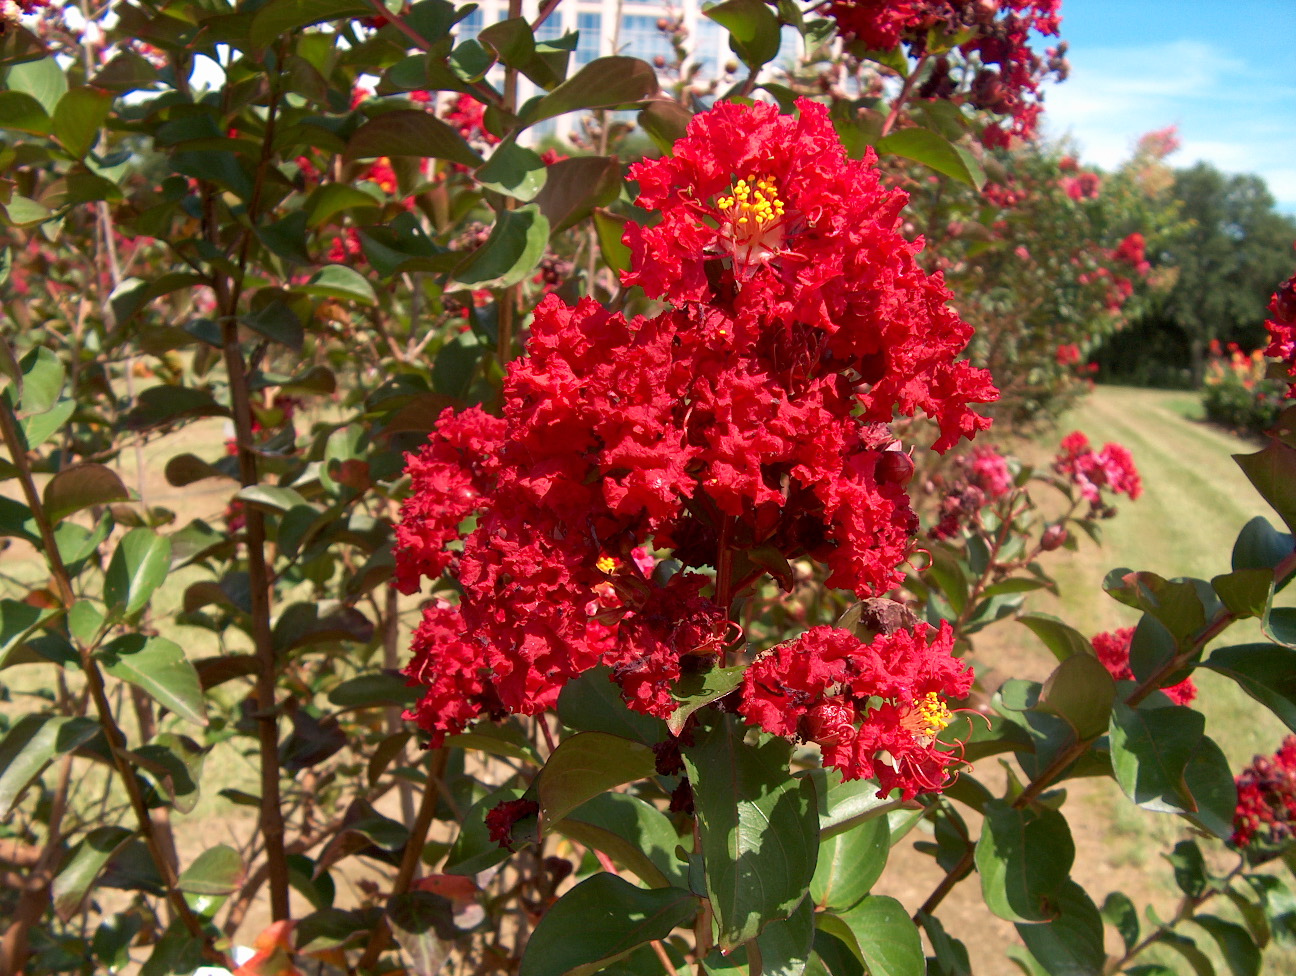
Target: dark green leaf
513,170
1240,953
216,871
634,833
758,826
575,187
1210,781
1260,546
30,745
17,622
423,924
934,150
785,947
1245,591
753,29
516,244
372,690
881,935
665,120
410,133
1121,913
700,688
1266,672
82,486
1176,603
160,668
587,764
334,198
280,17
22,113
1023,857
603,83
340,282
164,404
83,865
1150,748
1273,473
42,79
1080,691
565,940
593,703
78,117
849,863
1071,944
474,851
138,567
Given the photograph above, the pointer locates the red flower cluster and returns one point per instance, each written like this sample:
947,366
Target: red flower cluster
1282,329
752,415
1265,820
1133,251
1083,186
1093,472
1113,650
988,470
1068,355
874,709
1008,80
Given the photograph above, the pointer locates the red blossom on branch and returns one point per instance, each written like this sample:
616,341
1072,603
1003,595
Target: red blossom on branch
1093,472
1282,329
875,709
1113,650
1265,820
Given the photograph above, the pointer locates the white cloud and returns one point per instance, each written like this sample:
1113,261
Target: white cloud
1228,113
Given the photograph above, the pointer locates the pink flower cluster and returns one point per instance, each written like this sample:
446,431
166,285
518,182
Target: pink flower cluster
1113,650
861,702
1093,472
751,415
1265,820
1133,251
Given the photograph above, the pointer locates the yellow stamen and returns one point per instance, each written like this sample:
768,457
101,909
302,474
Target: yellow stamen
930,715
606,564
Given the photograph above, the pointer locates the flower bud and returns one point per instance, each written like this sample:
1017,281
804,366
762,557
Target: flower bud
659,61
1055,536
894,468
1284,305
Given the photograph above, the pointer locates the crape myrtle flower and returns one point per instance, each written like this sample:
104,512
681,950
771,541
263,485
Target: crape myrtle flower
875,709
1093,472
1282,329
1113,651
752,414
1265,820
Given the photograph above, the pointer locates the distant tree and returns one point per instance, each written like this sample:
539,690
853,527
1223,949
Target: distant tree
1235,247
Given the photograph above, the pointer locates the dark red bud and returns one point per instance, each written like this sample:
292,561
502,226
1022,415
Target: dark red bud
1055,536
895,468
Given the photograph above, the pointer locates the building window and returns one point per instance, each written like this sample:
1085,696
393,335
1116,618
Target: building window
640,38
590,41
470,26
708,48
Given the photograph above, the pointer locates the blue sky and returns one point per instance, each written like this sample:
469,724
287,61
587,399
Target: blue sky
1223,72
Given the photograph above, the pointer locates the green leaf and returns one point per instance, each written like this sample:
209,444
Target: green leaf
1023,857
610,228
516,244
160,668
79,115
1266,672
593,703
575,187
848,865
700,688
280,17
423,924
216,871
30,745
759,831
276,320
334,198
785,947
587,764
1150,748
82,486
1123,916
83,865
42,79
1273,473
666,121
512,40
174,763
1210,781
17,622
408,132
946,572
42,381
340,282
21,112
1071,944
1081,692
1260,546
513,170
633,833
1245,591
603,83
1060,638
753,28
1240,953
164,404
934,150
473,850
881,935
384,688
138,567
1189,868
842,805
566,941
1176,603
